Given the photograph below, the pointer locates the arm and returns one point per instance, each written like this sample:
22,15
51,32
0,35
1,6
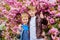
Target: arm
19,29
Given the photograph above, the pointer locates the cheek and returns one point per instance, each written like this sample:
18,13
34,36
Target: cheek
23,21
27,20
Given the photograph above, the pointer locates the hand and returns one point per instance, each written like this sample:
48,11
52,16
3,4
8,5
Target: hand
18,32
20,27
43,33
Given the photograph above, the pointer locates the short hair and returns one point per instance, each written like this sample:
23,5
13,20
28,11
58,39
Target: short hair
31,8
24,15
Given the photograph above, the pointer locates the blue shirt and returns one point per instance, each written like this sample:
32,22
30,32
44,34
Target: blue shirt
25,27
24,34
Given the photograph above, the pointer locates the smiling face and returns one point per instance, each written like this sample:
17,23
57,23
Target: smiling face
32,12
24,18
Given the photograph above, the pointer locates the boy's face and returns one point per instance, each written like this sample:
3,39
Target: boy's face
25,20
32,13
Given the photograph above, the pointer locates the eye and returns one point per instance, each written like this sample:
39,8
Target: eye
23,19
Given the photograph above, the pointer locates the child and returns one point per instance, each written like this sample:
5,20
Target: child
25,27
32,23
35,20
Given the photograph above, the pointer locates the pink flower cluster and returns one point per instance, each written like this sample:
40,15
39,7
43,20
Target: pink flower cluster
52,21
15,6
53,31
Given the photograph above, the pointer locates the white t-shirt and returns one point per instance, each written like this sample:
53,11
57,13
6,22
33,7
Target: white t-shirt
33,28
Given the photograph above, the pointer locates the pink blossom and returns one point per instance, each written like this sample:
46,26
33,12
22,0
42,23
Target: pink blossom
14,29
8,37
57,15
13,11
43,1
13,3
53,12
33,0
27,3
59,25
53,31
58,1
17,4
58,7
52,2
23,8
10,2
55,37
35,3
12,14
52,21
3,33
7,28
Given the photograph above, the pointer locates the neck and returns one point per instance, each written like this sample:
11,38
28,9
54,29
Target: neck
24,24
33,16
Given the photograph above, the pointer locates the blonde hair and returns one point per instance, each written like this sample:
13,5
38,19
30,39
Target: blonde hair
31,8
24,15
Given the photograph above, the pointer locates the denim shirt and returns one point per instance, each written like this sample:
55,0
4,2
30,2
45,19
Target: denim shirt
24,32
25,27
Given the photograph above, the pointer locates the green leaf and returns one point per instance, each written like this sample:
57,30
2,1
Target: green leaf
2,26
56,25
3,38
4,18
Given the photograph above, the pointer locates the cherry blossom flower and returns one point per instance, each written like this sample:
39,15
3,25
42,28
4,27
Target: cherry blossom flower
57,15
53,12
22,6
52,2
14,29
58,7
53,31
52,21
